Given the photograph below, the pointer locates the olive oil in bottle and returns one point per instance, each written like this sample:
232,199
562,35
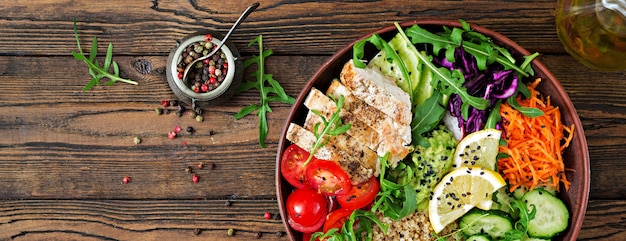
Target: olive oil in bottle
594,32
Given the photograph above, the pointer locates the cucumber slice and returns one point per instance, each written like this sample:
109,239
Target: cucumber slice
480,237
551,217
494,223
502,200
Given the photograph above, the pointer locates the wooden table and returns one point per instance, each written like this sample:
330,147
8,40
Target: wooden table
64,152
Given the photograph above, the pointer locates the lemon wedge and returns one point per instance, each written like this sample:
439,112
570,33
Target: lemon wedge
478,149
459,191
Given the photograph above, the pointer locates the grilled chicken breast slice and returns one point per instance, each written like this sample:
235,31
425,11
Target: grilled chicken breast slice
357,172
378,91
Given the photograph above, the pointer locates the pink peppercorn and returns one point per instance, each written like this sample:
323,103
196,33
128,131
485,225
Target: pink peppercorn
208,37
126,180
171,135
195,178
267,215
177,129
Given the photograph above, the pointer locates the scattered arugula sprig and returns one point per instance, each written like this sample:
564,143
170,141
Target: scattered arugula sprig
269,89
521,226
332,127
95,70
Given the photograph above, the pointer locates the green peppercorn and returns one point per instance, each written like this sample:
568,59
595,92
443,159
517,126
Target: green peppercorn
198,48
231,232
159,111
199,118
137,140
192,114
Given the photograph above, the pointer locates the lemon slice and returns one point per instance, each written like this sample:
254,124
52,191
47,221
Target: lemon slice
459,191
478,149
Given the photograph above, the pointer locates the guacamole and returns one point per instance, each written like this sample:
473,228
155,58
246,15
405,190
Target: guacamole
427,165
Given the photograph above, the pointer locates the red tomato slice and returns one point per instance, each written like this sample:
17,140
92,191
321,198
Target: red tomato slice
336,219
360,195
292,166
327,177
305,229
306,207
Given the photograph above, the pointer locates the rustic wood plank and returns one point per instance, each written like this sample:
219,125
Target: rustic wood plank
308,27
176,219
199,219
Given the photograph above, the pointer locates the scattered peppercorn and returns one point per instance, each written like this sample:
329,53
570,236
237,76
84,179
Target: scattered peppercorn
231,232
279,234
228,203
258,235
136,140
171,135
190,129
198,110
195,178
199,118
177,129
166,111
197,231
267,215
173,103
126,180
159,111
211,166
188,170
179,113
192,114
165,103
200,165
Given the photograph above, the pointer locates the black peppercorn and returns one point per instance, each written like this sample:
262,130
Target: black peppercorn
190,129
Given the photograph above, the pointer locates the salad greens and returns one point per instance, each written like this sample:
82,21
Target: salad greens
269,89
456,70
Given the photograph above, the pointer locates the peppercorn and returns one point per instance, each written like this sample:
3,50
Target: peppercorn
190,129
195,178
279,234
192,114
171,135
126,180
198,110
165,103
159,111
267,215
179,113
173,103
188,170
137,140
258,235
228,203
197,231
199,118
231,232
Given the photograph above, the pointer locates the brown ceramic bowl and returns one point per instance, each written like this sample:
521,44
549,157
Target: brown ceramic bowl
576,156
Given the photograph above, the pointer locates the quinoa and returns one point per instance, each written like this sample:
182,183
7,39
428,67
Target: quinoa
415,226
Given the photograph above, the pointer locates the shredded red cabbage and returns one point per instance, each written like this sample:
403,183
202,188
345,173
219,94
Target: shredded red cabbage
493,84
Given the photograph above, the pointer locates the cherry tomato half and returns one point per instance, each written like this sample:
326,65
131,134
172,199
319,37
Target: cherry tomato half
360,195
305,208
336,218
292,166
327,177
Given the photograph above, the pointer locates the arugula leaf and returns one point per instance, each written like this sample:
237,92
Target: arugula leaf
426,117
394,200
95,70
332,127
521,226
269,89
350,231
485,52
527,111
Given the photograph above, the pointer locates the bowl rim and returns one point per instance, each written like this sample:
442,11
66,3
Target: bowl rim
567,106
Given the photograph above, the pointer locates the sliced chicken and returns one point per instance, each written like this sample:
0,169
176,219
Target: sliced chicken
378,91
394,138
351,164
348,143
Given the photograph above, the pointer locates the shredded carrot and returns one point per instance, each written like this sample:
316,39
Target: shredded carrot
534,144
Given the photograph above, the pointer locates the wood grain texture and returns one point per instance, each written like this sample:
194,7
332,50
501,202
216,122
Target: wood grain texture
64,152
